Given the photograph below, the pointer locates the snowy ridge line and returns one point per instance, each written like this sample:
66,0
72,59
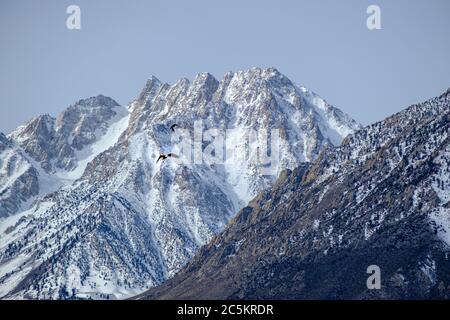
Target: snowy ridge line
143,220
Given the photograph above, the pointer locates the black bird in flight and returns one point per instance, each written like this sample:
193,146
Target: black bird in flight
172,127
165,156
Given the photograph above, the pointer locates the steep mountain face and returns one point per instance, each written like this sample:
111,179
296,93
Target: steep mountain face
46,153
54,143
382,198
18,178
128,222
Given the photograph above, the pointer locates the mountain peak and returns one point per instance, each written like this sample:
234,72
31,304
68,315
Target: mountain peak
95,101
261,72
151,87
204,85
41,125
152,82
205,78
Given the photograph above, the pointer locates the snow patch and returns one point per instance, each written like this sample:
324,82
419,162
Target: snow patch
117,125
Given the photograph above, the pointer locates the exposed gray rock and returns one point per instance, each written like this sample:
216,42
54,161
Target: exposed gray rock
46,153
18,178
54,142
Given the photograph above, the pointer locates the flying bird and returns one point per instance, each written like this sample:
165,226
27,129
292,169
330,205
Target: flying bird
165,156
172,127
161,156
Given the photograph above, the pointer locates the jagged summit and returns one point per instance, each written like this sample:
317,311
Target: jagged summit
152,84
95,101
56,149
122,222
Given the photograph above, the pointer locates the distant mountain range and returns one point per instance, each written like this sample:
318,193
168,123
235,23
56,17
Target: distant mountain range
86,211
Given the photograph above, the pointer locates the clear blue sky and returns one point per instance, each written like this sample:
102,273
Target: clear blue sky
324,45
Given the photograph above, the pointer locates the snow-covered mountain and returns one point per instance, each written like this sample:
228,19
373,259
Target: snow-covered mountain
119,221
47,153
381,199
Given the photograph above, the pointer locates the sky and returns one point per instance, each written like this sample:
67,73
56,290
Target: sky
324,45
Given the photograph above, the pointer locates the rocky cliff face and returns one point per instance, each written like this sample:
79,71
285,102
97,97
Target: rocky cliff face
47,153
18,178
124,222
382,198
54,143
